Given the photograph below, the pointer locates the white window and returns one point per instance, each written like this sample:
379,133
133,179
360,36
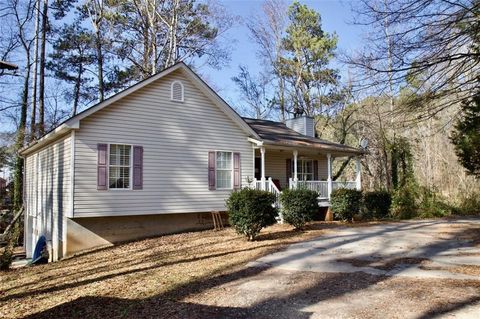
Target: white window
224,168
119,167
177,91
304,169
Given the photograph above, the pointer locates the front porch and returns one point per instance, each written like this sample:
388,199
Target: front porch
278,168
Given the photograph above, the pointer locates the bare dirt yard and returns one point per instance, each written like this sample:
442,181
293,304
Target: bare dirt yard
416,269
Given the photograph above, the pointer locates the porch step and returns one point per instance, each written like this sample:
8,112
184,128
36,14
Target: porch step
323,202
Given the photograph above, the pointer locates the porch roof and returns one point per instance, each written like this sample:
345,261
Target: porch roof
277,133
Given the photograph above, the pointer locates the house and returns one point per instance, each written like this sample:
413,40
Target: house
158,158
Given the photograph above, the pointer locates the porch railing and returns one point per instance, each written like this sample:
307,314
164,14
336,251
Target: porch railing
269,187
321,187
346,184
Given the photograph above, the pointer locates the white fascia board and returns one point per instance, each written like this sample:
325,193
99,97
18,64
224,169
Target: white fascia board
74,122
76,119
46,139
255,141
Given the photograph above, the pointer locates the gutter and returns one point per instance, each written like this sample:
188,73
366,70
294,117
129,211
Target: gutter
46,139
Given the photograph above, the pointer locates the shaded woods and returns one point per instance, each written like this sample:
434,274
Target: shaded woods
410,89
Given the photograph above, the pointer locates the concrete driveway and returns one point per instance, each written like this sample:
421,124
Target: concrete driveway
419,249
414,269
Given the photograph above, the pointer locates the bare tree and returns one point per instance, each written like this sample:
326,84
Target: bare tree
155,34
432,44
267,30
22,16
97,13
33,120
254,93
42,65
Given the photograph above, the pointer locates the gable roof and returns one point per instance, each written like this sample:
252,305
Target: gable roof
74,121
277,133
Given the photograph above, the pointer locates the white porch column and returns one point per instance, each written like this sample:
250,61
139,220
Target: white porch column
358,170
262,153
295,166
329,176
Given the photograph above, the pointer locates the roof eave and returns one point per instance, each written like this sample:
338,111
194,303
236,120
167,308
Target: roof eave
46,139
74,122
347,151
234,116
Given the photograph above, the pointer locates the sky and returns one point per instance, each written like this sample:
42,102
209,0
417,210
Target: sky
335,14
336,17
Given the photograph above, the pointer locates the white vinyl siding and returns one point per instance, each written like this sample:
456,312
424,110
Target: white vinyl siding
47,193
176,139
304,125
276,165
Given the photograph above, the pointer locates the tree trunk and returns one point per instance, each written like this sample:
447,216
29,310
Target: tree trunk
18,170
76,92
41,89
342,168
33,121
101,85
282,99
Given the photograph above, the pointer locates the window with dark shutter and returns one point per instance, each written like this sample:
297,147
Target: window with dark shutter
137,167
211,170
102,172
236,171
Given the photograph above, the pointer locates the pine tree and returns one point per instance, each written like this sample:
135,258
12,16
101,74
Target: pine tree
72,56
466,136
309,49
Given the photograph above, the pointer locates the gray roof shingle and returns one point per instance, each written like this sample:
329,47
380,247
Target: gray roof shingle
277,133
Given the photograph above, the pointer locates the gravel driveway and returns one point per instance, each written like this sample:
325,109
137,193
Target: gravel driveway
414,269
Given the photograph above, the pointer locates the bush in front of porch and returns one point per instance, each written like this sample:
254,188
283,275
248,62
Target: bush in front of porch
376,204
346,203
299,206
250,210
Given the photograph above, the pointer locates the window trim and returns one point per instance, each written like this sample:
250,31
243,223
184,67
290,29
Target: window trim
300,169
231,170
130,186
183,91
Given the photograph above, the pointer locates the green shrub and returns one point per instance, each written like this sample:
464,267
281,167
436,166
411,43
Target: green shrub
470,204
377,204
433,205
299,206
405,202
345,203
250,210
